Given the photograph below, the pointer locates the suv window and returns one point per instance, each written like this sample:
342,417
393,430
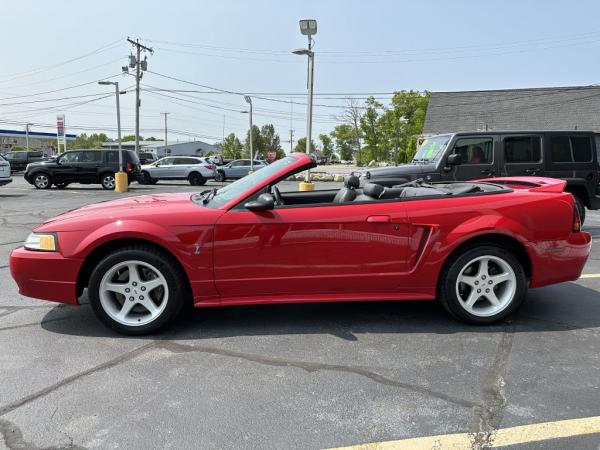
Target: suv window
71,157
522,149
185,161
475,150
112,157
93,156
570,149
237,163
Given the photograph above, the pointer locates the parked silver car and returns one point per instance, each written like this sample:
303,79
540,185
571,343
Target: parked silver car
195,170
5,177
237,169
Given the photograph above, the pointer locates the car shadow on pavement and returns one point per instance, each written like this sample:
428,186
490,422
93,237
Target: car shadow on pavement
567,306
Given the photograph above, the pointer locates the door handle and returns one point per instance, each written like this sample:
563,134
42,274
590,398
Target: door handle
379,219
531,171
489,172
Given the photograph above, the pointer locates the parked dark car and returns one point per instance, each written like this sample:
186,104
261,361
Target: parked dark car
570,155
19,160
83,166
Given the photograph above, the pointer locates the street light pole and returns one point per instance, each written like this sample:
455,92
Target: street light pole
308,27
249,101
166,143
121,184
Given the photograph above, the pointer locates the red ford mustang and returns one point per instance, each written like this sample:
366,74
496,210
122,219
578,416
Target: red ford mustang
475,247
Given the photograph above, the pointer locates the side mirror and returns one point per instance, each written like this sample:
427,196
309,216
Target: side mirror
58,161
454,160
264,202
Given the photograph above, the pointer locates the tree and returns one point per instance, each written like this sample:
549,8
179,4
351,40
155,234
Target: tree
369,124
94,140
327,145
345,141
131,138
151,138
351,115
301,145
258,147
232,147
271,141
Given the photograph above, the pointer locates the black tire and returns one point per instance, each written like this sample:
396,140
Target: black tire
449,285
220,176
179,293
61,185
42,180
196,179
107,181
580,207
154,181
146,178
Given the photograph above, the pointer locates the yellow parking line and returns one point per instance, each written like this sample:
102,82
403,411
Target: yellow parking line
500,438
590,275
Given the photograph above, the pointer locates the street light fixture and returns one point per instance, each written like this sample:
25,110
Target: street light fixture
308,27
121,184
249,101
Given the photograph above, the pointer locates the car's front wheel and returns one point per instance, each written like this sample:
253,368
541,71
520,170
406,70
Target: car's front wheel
483,284
42,181
108,181
196,179
137,290
220,176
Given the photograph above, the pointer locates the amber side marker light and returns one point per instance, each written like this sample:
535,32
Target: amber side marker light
576,220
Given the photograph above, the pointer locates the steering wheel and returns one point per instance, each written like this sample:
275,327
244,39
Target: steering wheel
277,195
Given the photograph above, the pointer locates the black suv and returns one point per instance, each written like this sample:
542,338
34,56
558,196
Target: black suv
570,155
19,160
83,166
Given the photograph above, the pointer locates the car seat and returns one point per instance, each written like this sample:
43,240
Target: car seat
348,192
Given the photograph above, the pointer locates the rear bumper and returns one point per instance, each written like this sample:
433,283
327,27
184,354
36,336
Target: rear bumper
558,261
47,276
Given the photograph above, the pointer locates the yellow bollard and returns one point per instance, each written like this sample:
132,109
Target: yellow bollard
121,184
304,186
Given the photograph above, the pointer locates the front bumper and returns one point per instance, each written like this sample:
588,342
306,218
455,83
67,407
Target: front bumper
45,275
558,261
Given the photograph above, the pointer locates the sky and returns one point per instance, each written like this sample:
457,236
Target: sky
361,48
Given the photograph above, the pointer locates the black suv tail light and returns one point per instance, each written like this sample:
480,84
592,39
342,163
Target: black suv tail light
129,167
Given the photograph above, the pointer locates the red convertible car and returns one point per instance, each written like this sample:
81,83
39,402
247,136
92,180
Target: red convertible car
475,247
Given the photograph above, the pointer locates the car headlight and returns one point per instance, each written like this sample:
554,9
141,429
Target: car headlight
45,242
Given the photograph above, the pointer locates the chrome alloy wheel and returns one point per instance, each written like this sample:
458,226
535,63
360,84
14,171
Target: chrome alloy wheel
41,181
486,286
108,182
133,293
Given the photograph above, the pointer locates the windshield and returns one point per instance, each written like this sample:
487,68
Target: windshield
432,148
217,198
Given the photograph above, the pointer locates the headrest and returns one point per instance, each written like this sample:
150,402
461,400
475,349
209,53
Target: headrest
352,181
373,190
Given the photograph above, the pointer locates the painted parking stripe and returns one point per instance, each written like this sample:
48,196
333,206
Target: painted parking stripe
503,437
590,275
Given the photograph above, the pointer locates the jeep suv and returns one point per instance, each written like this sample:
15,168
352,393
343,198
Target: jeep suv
570,155
82,166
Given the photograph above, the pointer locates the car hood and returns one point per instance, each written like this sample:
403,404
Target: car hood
47,163
165,209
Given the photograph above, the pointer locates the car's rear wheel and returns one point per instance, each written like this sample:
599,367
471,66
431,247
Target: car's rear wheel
137,290
146,178
42,181
61,185
580,207
196,179
483,284
220,176
108,181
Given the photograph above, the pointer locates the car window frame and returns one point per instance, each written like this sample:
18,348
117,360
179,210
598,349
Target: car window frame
539,136
483,136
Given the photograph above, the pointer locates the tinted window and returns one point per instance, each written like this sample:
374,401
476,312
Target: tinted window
582,149
183,161
237,163
570,149
245,163
35,154
131,156
475,150
522,149
71,157
112,157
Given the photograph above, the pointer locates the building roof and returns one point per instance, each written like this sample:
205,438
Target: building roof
34,134
115,144
559,108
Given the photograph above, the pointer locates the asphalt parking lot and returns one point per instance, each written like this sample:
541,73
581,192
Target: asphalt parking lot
291,376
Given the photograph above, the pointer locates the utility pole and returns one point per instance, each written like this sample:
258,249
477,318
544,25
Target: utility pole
140,67
166,142
27,136
291,125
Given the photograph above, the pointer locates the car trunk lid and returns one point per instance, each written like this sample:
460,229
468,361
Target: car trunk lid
536,184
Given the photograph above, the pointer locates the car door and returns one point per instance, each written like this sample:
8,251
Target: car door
66,169
297,250
521,155
182,166
477,159
236,169
163,168
87,165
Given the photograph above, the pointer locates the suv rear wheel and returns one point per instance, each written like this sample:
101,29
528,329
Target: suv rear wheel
108,181
482,285
580,207
42,180
196,179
